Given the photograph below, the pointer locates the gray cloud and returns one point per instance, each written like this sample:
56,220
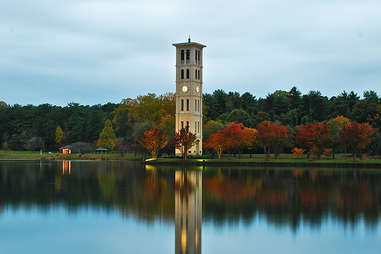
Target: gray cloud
93,52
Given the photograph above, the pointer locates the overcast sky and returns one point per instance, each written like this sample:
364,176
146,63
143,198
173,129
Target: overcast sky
96,51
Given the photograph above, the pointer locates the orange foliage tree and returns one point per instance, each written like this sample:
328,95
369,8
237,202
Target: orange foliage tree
356,137
184,140
314,136
234,136
153,140
297,152
272,136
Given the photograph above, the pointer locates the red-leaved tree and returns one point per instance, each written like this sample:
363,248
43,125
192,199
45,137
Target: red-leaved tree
272,136
235,137
153,140
355,137
184,140
315,137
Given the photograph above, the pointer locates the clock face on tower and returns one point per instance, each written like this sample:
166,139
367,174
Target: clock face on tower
198,89
185,89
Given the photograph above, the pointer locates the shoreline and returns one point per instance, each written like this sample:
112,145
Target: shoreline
198,162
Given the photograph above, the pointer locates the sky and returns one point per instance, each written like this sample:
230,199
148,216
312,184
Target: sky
98,51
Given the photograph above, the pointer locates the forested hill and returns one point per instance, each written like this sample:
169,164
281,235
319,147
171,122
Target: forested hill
34,127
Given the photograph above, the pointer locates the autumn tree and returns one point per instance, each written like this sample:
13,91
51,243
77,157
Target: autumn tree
216,142
356,137
107,137
336,125
315,137
235,137
273,137
184,140
154,140
59,136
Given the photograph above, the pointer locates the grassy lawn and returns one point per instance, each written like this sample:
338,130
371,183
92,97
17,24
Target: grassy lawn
6,154
283,158
244,158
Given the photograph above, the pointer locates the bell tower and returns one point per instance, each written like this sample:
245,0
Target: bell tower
189,91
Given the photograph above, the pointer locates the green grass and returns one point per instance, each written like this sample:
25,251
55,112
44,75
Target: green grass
283,158
245,158
6,154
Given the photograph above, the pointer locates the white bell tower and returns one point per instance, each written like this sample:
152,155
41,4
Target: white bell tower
189,91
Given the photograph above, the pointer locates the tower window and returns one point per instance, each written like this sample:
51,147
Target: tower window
188,54
182,125
195,105
182,55
182,104
187,73
187,124
195,127
195,74
187,104
198,76
182,74
199,56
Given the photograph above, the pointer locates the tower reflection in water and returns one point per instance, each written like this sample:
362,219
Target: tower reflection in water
188,212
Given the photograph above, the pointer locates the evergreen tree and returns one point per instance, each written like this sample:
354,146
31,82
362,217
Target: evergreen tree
107,137
59,136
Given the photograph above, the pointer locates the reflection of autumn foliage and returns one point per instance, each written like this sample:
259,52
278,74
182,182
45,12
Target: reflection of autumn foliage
272,197
311,197
356,198
231,190
297,172
154,187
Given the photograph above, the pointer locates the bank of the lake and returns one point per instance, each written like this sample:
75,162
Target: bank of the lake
259,160
263,162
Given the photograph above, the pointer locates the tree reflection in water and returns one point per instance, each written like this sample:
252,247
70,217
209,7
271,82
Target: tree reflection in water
284,198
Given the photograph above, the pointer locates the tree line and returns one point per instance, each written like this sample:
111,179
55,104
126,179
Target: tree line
35,127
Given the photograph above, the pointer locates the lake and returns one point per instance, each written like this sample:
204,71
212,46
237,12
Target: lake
122,207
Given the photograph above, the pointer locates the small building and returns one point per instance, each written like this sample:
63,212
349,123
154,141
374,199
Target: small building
101,150
66,149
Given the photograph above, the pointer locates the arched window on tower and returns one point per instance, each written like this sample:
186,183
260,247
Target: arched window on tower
182,56
182,104
187,104
198,75
195,74
188,55
187,73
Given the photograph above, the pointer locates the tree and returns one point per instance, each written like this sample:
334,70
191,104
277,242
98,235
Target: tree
336,125
272,136
154,140
184,140
315,137
59,136
234,136
216,142
240,116
107,137
211,127
356,137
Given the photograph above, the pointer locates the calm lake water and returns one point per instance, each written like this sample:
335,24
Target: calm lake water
119,207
